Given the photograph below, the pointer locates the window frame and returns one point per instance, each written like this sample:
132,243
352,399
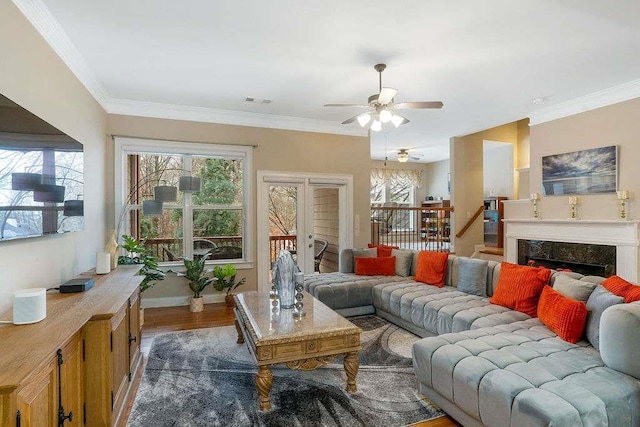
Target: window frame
124,146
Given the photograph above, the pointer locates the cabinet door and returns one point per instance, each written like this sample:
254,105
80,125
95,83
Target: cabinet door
37,400
134,332
120,357
71,382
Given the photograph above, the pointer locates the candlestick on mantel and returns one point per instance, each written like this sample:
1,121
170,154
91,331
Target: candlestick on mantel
623,196
534,201
573,201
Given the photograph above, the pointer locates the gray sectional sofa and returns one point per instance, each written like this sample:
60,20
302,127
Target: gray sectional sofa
487,365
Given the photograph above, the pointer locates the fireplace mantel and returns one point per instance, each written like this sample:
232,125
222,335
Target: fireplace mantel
624,235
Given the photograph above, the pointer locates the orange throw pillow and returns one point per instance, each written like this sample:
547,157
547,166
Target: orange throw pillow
432,268
620,287
564,316
519,287
380,266
383,250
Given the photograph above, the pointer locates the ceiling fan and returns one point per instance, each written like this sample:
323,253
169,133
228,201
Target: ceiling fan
403,155
382,108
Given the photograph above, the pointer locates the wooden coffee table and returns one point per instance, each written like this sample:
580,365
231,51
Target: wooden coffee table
274,336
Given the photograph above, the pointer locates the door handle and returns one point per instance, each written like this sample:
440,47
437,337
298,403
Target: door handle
310,245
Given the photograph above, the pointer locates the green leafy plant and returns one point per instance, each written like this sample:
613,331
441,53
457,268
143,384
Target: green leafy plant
226,276
197,276
137,255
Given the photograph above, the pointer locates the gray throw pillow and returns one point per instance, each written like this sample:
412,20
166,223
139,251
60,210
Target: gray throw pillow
404,258
472,276
599,300
347,257
578,290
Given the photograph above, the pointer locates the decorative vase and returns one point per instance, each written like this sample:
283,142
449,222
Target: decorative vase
112,248
229,301
196,304
284,279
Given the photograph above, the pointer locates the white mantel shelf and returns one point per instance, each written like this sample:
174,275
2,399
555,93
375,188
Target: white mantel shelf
624,235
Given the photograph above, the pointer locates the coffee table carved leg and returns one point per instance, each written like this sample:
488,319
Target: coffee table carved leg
351,365
240,336
264,379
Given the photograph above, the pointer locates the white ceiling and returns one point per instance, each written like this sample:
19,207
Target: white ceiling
486,60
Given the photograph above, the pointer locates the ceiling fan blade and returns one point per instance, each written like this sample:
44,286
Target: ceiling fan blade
350,120
408,105
386,95
346,105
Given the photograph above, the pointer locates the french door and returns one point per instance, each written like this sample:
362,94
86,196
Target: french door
296,211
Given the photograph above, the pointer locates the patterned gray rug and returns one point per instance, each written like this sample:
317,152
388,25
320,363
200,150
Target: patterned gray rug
203,378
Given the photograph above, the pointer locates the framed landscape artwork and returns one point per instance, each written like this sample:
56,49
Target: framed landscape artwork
590,171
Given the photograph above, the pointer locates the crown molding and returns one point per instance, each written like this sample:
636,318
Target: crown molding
228,117
41,18
603,98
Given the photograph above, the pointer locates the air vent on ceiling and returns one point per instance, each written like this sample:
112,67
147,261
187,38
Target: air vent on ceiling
257,100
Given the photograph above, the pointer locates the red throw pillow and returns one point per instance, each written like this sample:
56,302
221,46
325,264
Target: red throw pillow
564,316
383,250
620,287
432,268
519,287
380,266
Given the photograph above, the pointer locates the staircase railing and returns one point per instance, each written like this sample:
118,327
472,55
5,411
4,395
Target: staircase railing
470,222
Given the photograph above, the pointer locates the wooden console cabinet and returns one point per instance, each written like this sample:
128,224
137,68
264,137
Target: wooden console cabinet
75,367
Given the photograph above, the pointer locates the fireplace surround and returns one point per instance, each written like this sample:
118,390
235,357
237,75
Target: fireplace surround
623,235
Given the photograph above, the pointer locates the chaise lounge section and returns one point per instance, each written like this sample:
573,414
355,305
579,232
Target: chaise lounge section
489,365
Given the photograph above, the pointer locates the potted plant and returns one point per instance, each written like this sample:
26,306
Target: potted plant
226,279
137,255
198,280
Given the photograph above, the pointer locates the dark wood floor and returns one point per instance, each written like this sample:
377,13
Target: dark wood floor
168,319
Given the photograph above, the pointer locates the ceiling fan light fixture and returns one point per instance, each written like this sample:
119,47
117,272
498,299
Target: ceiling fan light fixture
363,119
385,116
397,120
376,126
403,157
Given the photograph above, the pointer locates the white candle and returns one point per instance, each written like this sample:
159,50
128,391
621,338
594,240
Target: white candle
623,195
573,200
535,196
103,263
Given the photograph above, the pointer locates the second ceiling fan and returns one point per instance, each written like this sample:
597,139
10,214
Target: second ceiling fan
382,107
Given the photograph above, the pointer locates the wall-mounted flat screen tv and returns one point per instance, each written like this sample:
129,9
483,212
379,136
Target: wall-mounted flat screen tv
41,176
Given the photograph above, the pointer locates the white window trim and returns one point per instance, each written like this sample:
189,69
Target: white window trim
127,145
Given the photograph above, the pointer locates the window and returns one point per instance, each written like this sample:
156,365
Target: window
211,220
391,187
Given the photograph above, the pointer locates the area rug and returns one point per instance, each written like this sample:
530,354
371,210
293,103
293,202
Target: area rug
203,378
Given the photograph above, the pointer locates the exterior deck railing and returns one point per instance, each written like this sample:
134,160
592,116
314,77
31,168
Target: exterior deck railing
412,227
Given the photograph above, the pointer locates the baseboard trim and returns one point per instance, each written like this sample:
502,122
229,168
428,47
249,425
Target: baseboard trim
178,301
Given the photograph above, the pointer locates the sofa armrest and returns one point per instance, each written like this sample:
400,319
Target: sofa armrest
620,338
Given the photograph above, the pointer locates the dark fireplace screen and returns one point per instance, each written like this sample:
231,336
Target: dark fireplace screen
584,258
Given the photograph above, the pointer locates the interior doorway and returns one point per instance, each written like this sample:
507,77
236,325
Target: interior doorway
309,215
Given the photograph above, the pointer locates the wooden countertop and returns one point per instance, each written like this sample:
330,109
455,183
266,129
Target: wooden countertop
25,349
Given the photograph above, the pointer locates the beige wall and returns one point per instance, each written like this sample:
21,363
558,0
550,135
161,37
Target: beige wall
435,178
278,150
33,76
613,125
325,225
467,182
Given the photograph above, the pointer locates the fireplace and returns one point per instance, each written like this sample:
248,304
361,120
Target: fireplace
584,258
623,237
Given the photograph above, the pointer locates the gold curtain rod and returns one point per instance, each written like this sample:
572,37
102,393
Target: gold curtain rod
179,140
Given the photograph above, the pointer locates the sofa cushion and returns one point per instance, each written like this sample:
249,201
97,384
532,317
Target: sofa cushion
599,300
622,288
346,263
578,290
620,338
432,268
383,250
404,258
378,266
519,287
472,276
564,316
521,374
